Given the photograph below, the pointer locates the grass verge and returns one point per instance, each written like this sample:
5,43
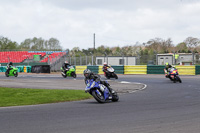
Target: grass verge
19,96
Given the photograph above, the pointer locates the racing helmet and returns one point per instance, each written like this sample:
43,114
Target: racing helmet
10,63
66,62
105,63
166,63
87,73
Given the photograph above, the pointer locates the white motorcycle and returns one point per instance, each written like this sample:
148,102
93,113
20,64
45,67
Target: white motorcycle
110,73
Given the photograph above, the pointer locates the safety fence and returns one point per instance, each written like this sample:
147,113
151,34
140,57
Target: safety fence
140,69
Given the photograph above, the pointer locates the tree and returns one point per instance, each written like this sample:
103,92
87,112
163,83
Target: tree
6,44
25,45
182,48
54,44
192,43
160,46
40,44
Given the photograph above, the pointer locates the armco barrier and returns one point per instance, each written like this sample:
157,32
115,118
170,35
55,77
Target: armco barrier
186,70
135,69
80,69
197,70
94,69
155,69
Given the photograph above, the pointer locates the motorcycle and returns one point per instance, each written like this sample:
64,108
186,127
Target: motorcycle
12,72
100,92
110,73
70,73
173,75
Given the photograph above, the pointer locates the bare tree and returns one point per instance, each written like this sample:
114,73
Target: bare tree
192,43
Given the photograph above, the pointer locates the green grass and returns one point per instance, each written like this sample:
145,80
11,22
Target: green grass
19,96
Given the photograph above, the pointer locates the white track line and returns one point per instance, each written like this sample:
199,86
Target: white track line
125,82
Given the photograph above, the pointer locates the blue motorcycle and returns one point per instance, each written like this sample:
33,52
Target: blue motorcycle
100,92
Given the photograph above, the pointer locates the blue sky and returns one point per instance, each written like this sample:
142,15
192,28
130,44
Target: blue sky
115,22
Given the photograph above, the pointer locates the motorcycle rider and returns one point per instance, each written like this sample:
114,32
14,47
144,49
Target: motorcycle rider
9,66
66,66
90,75
105,67
167,68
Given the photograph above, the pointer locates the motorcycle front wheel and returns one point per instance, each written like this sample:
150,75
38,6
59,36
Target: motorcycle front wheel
73,75
115,97
179,79
116,77
64,76
99,98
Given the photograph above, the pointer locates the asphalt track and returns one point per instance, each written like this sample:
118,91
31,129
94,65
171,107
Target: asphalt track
162,107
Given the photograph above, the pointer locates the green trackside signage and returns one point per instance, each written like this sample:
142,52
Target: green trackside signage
36,57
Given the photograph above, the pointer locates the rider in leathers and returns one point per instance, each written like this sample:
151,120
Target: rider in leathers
65,67
90,75
9,66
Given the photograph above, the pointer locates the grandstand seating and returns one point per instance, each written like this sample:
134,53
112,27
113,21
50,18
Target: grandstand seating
17,56
54,56
20,56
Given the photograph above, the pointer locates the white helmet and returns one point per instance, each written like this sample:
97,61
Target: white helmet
105,63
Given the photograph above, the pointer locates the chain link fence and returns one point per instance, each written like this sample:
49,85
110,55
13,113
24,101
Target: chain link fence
57,61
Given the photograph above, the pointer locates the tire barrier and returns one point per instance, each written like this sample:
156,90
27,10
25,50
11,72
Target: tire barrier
186,70
20,68
27,69
135,69
155,69
2,69
39,69
80,69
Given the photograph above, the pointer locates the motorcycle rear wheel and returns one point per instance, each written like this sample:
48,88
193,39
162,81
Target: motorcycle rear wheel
99,98
6,73
73,75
